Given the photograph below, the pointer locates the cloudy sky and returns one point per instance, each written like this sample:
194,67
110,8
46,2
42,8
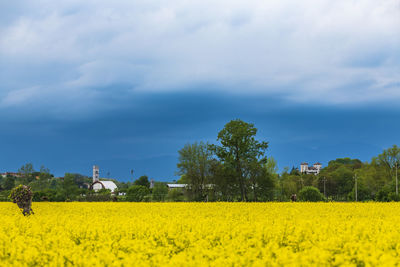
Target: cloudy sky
125,84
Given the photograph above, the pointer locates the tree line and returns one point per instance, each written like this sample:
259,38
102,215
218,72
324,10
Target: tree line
71,187
236,168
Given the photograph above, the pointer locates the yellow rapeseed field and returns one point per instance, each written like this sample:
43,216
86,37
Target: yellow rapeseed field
196,234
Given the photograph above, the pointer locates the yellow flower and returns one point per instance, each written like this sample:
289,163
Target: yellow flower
197,234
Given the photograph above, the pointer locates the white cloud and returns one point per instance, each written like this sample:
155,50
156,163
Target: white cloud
340,51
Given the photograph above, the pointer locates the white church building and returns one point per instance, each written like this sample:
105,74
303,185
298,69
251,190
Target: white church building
315,169
97,184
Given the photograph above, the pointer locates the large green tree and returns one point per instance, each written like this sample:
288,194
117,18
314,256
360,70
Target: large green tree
390,160
195,166
137,193
9,182
159,191
224,181
339,177
240,150
69,187
26,171
261,181
143,180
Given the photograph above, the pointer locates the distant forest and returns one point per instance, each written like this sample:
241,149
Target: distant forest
235,169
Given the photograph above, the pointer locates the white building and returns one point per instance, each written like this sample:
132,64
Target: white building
187,186
172,186
315,169
96,173
98,185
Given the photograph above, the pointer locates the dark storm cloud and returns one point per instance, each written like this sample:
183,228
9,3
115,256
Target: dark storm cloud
125,84
146,136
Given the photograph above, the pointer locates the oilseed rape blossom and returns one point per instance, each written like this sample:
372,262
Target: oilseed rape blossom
196,234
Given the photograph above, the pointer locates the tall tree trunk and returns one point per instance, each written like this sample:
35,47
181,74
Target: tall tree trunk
254,191
26,207
239,173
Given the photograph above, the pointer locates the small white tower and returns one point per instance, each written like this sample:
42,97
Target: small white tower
318,166
95,173
303,167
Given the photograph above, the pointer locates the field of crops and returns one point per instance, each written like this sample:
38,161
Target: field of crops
193,234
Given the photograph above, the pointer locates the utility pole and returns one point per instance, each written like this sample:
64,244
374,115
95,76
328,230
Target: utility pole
324,186
355,178
132,175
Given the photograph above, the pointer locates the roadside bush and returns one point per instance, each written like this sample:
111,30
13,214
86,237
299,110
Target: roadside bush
393,197
363,194
4,195
311,194
175,195
137,193
91,196
383,194
160,191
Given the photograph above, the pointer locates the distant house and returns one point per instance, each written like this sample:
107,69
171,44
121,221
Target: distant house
172,186
98,185
187,186
315,169
12,174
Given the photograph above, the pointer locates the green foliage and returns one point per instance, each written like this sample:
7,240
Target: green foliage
290,184
271,166
294,171
21,193
4,195
143,180
310,194
27,171
262,182
224,181
90,196
137,193
363,194
390,158
393,197
47,194
175,195
239,150
183,180
339,177
347,162
195,165
383,194
235,170
69,187
123,186
159,192
9,183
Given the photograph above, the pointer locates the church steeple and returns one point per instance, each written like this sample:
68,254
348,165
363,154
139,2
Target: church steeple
95,173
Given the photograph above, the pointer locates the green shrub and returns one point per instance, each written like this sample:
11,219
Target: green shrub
175,195
137,193
363,194
393,197
383,194
311,194
159,192
4,195
22,195
94,198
